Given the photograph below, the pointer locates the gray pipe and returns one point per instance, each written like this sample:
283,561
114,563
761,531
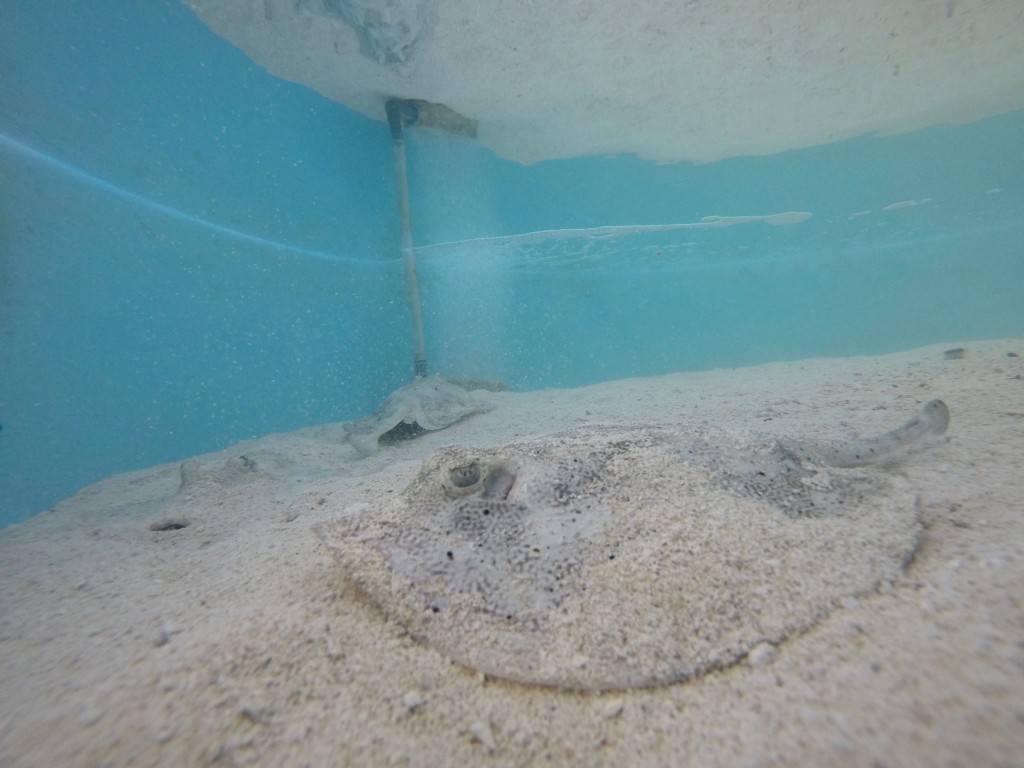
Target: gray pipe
400,112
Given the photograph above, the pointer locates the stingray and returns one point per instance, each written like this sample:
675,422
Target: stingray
611,557
426,405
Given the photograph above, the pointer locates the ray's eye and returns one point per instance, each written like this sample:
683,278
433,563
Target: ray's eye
465,476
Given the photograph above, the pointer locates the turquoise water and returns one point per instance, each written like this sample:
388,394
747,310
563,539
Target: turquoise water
193,252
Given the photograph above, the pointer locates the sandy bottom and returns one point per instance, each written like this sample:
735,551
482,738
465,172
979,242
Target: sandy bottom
234,639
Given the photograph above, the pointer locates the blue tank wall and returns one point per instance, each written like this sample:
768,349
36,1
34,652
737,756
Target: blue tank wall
913,239
191,251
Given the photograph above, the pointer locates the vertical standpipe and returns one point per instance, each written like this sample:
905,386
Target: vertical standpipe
398,112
